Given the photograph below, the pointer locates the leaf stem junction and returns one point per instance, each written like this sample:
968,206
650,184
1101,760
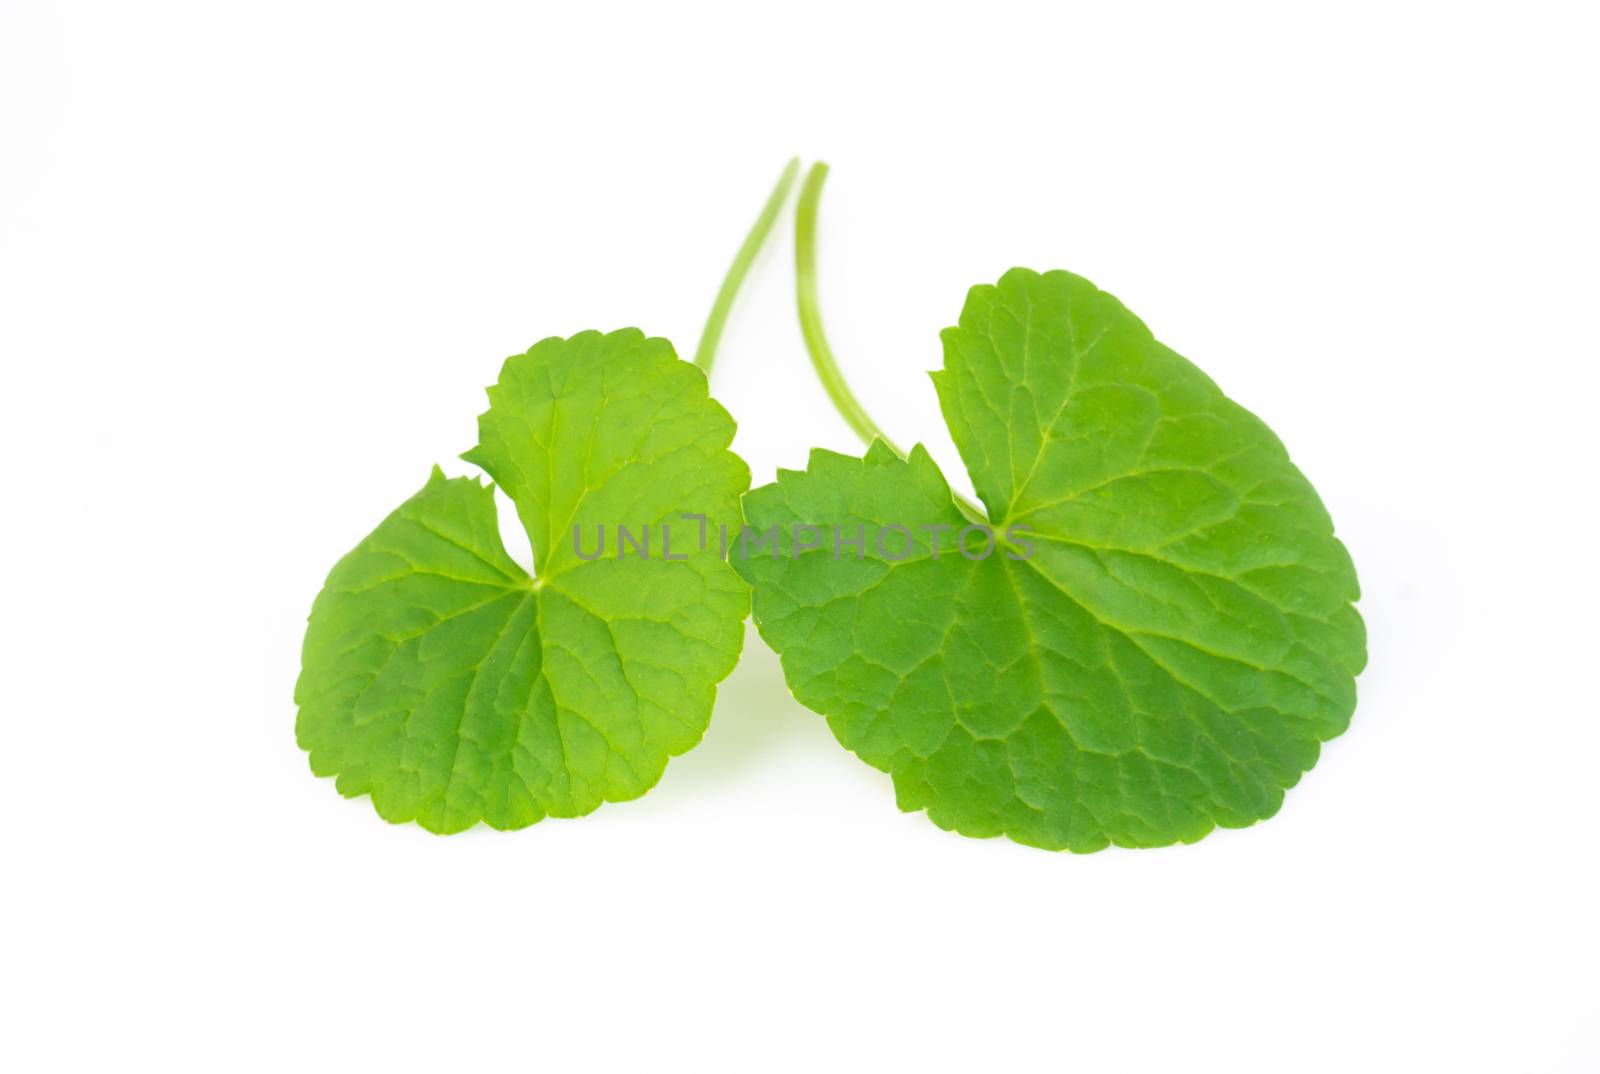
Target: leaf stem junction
805,288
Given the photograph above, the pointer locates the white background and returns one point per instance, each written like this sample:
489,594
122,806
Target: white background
257,264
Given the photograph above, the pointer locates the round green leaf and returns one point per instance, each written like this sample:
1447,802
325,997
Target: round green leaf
1161,645
440,678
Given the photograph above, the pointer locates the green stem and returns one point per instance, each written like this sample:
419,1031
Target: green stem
805,292
805,288
706,352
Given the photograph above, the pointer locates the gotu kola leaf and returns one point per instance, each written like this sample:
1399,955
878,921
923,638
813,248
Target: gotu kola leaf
442,679
1159,647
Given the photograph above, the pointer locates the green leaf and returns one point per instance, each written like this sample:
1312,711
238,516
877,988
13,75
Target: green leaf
441,679
1167,659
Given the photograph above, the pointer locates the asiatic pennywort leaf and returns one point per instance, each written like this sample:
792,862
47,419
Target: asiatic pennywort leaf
442,679
1159,647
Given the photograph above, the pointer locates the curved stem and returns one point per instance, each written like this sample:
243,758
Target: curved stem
805,289
706,352
805,293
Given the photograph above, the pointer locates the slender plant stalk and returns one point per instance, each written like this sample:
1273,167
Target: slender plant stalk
805,292
805,289
706,352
